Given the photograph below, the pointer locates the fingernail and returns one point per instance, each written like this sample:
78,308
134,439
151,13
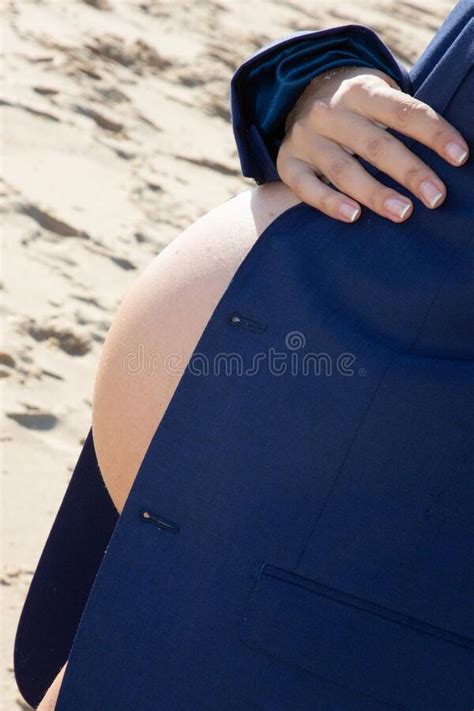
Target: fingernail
397,208
431,194
348,212
456,152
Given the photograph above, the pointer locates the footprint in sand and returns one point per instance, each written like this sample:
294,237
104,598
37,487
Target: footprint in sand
98,4
50,222
63,338
34,420
7,359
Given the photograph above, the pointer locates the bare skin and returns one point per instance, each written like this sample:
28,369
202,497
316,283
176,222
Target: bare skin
49,700
165,312
343,115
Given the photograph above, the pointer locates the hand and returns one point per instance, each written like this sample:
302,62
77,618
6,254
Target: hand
346,112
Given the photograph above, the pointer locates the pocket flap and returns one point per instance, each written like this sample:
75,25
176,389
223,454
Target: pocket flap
357,644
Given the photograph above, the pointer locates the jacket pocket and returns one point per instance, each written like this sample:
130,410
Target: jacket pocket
357,644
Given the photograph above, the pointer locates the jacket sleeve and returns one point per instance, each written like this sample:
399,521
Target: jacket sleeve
265,87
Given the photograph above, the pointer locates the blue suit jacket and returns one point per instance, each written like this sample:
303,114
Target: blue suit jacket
310,547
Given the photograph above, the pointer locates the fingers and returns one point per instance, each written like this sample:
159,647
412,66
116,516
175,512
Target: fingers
300,177
410,117
389,155
352,120
348,176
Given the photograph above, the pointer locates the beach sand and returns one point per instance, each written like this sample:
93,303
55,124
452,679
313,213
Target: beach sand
115,136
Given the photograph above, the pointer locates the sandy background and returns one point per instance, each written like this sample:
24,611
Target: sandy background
115,136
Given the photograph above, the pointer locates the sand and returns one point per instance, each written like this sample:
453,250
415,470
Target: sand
115,136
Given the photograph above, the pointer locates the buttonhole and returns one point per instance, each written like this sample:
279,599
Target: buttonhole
159,521
247,322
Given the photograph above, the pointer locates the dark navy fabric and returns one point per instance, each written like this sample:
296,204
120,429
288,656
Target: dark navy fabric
63,578
310,546
265,87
